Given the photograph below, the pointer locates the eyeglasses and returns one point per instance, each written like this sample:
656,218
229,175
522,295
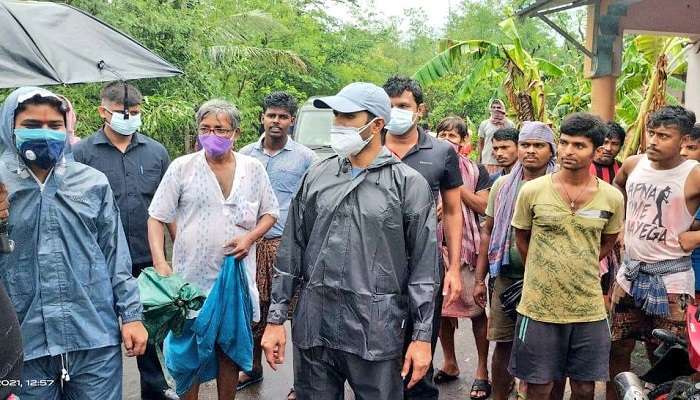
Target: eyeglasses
203,130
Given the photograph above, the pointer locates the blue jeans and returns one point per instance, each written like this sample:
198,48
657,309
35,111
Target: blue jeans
94,374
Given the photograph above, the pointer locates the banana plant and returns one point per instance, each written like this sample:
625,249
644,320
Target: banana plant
649,66
520,73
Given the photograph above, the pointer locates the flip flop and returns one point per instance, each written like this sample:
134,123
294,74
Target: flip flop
480,385
252,380
292,395
443,377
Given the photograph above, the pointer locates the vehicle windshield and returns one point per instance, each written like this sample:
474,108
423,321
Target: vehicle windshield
312,128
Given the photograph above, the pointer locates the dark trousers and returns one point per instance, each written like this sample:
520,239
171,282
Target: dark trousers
320,373
426,389
11,354
153,382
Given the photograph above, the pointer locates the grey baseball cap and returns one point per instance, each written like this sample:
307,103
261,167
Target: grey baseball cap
359,96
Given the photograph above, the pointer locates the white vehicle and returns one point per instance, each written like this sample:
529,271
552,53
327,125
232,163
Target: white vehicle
312,128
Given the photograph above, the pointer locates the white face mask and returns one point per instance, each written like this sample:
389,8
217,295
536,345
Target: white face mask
401,121
123,126
346,141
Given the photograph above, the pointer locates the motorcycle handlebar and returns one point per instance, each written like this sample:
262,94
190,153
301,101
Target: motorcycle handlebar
668,337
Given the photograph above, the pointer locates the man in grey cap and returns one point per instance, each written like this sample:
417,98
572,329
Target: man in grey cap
363,249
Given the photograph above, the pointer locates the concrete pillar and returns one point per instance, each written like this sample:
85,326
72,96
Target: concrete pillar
603,97
692,83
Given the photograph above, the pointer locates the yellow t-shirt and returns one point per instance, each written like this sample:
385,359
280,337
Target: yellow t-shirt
561,283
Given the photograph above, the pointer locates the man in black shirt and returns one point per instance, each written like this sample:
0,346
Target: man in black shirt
134,165
437,161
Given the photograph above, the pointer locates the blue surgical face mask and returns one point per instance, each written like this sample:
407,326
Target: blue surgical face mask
123,126
401,121
41,147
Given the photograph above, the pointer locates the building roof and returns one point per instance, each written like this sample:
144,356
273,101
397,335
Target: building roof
542,7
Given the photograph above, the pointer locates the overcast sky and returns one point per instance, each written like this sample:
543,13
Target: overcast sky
437,10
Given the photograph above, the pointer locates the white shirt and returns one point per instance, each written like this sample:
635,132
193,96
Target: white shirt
190,194
486,131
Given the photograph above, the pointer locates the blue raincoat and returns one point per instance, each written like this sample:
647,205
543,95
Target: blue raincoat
224,321
69,277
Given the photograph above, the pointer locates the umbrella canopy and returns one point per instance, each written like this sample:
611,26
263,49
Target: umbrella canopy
47,43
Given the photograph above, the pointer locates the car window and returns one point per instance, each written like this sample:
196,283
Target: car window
312,127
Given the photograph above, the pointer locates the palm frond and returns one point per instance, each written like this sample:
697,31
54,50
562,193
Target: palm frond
235,53
243,25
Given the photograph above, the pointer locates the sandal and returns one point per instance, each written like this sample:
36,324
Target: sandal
292,395
253,378
443,377
480,385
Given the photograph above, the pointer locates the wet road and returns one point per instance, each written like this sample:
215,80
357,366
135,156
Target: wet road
276,385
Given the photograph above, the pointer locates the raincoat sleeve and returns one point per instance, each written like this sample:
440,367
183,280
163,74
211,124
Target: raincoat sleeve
290,257
112,241
420,226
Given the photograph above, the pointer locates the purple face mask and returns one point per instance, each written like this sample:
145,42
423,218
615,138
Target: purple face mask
215,146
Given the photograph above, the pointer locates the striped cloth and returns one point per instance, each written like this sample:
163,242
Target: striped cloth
648,289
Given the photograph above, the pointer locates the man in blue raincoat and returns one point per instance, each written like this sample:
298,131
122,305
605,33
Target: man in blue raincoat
69,277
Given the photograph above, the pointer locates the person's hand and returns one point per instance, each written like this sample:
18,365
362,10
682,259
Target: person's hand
273,342
417,359
438,211
452,285
134,336
480,294
688,241
163,268
4,202
238,246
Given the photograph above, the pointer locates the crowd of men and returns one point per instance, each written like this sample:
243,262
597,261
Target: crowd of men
374,252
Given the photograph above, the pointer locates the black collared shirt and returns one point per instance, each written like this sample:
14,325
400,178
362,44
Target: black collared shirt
437,161
134,177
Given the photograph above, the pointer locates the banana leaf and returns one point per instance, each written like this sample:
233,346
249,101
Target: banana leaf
166,302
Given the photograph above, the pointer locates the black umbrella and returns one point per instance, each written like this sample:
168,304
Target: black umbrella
43,43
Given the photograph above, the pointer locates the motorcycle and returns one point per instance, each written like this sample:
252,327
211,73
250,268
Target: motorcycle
678,359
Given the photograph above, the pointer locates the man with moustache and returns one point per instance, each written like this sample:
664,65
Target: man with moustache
498,255
564,223
505,150
656,277
285,162
487,128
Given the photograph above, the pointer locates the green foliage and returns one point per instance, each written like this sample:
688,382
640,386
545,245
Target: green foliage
242,50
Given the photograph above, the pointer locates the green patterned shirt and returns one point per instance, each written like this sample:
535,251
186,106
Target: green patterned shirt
562,283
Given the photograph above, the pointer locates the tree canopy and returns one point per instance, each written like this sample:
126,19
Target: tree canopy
241,50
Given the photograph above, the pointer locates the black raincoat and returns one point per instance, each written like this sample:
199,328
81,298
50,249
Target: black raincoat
364,251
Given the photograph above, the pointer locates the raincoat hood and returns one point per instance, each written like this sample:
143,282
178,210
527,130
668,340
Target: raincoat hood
7,117
72,252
